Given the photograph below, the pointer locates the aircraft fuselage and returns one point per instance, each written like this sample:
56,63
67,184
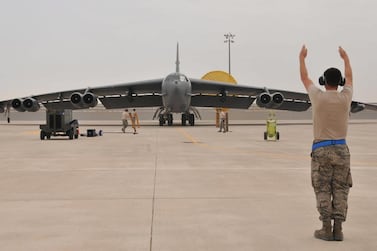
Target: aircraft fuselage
176,93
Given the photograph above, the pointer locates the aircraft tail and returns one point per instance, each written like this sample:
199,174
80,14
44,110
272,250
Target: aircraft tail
177,62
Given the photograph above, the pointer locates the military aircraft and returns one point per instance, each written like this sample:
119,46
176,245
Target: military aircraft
176,93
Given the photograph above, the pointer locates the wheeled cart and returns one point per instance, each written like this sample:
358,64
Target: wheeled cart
271,132
59,123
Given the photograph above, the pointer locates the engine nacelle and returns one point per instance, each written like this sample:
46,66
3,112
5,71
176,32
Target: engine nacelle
268,100
90,99
17,105
263,99
83,100
277,100
2,110
357,107
25,105
30,105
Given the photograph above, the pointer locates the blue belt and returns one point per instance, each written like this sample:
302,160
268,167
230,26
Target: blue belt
328,143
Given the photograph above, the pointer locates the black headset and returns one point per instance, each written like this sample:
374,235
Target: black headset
322,80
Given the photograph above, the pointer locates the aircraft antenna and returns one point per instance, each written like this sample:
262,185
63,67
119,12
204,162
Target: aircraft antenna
177,62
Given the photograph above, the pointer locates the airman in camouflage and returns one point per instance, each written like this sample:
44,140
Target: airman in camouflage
331,178
330,165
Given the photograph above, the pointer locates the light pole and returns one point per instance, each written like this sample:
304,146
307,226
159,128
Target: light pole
229,39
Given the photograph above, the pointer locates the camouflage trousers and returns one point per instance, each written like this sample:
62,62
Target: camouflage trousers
331,180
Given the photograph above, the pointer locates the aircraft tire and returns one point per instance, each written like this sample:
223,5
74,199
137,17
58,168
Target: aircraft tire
42,135
184,118
70,133
191,119
170,119
161,120
265,136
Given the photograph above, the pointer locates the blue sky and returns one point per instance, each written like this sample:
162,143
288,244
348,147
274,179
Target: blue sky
48,46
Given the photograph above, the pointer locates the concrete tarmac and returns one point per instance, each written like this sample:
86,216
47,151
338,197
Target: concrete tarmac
176,188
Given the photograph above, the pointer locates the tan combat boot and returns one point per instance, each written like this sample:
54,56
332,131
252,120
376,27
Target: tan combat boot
338,234
325,233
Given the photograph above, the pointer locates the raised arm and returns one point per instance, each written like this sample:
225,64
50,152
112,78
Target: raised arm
303,71
347,66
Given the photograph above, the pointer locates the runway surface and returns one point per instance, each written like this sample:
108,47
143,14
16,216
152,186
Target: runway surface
176,188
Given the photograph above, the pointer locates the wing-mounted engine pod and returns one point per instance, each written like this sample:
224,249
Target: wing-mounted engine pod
357,107
267,100
2,109
90,99
17,105
30,104
277,100
76,99
264,99
83,100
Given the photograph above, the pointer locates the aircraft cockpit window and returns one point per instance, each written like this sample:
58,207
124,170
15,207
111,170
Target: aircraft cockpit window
183,78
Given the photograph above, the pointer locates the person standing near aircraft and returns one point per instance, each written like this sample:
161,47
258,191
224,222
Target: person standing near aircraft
222,121
330,156
124,120
134,119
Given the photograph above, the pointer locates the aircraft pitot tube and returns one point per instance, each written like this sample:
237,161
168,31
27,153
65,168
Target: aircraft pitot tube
85,100
27,104
268,100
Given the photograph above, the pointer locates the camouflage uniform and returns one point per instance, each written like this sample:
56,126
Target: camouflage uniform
331,180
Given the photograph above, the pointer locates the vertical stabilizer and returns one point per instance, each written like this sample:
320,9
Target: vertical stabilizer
177,62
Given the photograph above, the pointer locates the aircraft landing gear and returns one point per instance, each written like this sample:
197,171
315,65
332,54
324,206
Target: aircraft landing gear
188,117
166,118
165,115
170,119
161,119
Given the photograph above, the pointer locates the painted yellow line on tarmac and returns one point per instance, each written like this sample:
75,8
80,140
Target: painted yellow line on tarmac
188,136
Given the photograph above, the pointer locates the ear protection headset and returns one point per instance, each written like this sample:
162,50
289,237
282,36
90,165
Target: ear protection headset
322,80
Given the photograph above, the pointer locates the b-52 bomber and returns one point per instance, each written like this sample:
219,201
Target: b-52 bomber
176,93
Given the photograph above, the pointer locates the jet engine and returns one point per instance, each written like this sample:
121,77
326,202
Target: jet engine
85,100
2,110
268,100
17,105
263,99
30,105
357,107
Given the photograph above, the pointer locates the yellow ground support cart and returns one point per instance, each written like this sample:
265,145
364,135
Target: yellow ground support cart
271,132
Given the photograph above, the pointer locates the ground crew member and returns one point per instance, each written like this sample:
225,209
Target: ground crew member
330,164
134,120
124,120
222,121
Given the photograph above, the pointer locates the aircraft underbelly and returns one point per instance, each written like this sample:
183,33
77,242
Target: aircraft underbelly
177,104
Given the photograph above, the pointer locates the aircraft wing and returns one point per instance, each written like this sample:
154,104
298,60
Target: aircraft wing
214,87
148,94
220,94
132,94
370,106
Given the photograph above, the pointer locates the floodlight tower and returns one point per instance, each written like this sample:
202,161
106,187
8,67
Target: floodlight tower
229,39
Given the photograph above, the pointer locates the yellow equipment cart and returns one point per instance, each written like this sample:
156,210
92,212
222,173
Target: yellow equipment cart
271,132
